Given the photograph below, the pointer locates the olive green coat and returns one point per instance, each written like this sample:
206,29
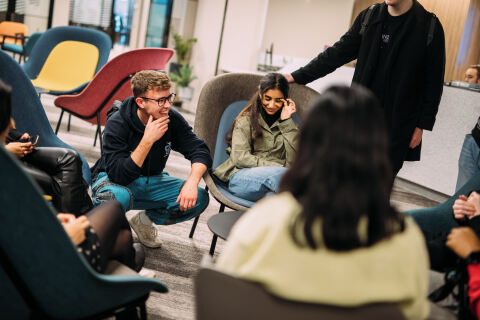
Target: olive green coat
276,147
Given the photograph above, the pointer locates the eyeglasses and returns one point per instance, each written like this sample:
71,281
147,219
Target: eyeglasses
161,102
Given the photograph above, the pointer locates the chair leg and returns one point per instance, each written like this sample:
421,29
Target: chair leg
95,140
69,119
143,312
213,244
99,129
59,121
194,225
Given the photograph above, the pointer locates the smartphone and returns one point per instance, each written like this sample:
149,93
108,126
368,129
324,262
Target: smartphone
32,139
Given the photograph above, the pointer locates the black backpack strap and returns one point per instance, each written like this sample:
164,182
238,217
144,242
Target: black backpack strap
431,29
366,19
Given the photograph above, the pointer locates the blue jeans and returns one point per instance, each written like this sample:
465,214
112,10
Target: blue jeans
254,183
157,197
468,162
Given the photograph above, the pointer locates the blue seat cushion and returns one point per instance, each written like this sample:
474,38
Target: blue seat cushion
12,47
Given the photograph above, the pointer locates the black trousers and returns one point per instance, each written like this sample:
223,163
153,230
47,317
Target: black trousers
58,171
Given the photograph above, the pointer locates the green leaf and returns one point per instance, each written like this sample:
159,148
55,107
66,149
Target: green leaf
184,76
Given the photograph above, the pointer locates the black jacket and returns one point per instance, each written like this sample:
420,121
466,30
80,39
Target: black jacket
416,71
123,133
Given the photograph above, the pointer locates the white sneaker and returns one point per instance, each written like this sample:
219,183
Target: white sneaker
147,233
147,273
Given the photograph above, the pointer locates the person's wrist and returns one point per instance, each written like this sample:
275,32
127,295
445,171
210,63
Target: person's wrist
473,257
146,142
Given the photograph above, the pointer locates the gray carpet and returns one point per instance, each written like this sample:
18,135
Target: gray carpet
177,261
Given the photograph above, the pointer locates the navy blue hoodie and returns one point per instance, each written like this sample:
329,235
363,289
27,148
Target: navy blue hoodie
123,133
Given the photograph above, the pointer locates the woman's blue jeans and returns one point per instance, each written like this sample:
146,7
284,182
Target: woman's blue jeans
156,195
254,183
468,162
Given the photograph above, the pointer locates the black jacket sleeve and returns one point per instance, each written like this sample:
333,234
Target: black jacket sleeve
13,136
434,75
118,163
187,143
343,51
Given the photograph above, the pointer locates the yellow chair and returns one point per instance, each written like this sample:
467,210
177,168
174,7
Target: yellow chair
66,58
12,32
69,65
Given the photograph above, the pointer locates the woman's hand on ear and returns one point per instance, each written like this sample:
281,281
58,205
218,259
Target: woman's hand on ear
288,109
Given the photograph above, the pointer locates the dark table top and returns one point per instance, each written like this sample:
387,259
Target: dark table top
221,223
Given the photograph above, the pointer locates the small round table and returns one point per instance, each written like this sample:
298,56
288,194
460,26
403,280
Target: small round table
221,224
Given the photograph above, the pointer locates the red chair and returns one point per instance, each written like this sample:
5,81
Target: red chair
111,83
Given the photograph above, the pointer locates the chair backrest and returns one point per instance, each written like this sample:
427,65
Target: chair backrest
30,43
220,296
223,90
226,123
27,110
54,36
112,82
42,262
69,65
11,28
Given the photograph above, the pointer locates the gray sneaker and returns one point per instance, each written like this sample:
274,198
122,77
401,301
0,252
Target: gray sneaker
147,233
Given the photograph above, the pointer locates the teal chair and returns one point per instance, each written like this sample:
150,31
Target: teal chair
23,50
27,109
43,266
54,38
440,219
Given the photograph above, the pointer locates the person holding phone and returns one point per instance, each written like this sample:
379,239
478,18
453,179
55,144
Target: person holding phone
58,171
103,233
262,141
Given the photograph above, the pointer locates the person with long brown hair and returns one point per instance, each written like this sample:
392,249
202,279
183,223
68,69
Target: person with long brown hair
262,141
331,236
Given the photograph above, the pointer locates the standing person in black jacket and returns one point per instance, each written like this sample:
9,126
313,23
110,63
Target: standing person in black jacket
400,49
137,142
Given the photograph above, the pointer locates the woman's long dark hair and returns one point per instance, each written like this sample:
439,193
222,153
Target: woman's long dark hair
341,173
5,106
254,106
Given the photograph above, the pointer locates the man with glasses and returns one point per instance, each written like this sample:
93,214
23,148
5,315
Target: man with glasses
136,144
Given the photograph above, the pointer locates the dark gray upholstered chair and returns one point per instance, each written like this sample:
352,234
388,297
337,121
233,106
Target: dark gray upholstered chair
42,274
216,96
219,296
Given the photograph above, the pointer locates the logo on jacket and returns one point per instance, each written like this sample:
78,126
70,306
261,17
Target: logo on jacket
385,38
168,147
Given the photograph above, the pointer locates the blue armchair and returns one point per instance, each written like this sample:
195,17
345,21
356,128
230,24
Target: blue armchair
27,110
42,274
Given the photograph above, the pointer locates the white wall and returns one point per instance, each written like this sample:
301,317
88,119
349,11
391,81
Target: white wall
298,28
208,23
301,28
242,39
61,13
36,15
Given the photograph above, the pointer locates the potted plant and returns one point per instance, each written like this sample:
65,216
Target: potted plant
182,50
183,77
